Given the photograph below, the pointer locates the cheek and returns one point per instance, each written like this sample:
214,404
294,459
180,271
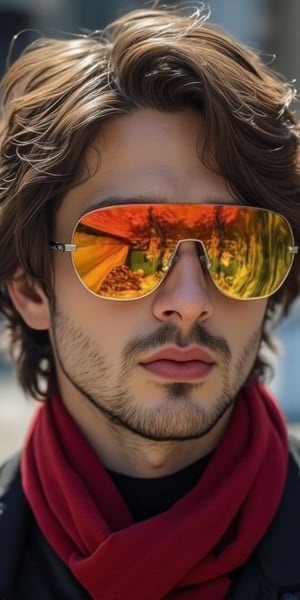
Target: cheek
108,324
241,320
66,282
255,311
71,295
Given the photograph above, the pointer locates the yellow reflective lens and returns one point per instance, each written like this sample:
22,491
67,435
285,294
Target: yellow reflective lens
123,252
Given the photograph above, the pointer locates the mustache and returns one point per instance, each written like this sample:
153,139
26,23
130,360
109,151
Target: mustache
170,334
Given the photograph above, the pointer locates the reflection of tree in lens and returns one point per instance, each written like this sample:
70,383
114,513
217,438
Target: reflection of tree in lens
251,261
120,279
124,251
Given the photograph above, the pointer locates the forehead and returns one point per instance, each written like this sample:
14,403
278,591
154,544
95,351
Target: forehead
145,154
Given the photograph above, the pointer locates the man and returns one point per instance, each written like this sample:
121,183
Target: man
149,230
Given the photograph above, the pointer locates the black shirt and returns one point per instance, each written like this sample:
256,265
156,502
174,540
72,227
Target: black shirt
148,497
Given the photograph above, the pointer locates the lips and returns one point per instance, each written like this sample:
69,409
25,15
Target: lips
179,364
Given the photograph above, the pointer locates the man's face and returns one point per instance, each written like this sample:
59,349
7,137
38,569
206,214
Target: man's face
120,355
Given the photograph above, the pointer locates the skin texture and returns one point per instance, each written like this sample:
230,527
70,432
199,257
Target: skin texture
138,422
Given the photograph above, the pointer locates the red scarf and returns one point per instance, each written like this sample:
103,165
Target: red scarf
186,552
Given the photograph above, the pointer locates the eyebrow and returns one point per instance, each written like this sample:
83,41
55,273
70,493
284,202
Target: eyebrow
143,199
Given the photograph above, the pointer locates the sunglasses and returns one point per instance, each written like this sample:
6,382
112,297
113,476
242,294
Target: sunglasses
124,252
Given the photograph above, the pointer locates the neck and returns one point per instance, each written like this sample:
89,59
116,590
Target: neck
125,452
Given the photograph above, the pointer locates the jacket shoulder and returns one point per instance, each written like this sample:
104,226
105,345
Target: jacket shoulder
8,472
26,559
279,552
273,570
294,444
14,521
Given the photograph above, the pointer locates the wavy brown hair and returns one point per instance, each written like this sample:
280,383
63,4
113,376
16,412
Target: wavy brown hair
57,95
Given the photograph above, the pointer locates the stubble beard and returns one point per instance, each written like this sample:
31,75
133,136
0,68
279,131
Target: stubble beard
178,417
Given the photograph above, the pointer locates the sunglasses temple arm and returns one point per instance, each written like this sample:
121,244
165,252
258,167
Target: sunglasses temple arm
63,247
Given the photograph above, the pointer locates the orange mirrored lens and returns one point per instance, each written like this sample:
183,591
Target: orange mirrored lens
123,251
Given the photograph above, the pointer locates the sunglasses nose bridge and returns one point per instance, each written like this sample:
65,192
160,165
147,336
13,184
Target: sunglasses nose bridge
199,247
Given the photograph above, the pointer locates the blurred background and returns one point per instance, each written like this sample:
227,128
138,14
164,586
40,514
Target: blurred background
270,26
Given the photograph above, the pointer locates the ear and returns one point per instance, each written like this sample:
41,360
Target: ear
31,302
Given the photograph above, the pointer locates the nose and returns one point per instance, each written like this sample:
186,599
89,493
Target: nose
183,297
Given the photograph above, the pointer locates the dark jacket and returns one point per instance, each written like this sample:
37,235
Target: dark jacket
31,570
